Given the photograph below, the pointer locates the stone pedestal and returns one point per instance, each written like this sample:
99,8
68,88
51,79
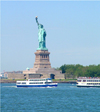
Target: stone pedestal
42,59
42,67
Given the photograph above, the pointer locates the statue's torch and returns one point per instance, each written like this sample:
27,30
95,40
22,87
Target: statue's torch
36,19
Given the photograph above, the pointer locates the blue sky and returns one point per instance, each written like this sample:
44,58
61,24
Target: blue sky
73,32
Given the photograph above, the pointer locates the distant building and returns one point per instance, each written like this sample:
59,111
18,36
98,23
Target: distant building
14,75
3,76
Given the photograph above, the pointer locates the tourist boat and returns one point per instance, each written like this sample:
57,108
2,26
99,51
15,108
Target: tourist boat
45,82
88,82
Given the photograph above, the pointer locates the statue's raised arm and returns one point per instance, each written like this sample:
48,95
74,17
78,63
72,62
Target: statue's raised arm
37,20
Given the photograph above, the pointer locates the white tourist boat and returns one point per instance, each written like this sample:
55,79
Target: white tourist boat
36,82
88,82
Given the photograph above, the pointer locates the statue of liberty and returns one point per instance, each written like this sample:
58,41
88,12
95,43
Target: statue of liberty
41,36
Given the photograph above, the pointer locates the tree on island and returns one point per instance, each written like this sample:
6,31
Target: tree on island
73,71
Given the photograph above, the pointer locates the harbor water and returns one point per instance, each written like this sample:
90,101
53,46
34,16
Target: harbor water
64,98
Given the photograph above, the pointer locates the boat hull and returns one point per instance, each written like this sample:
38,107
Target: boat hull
55,85
86,86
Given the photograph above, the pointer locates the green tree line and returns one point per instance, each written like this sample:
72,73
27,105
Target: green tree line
74,71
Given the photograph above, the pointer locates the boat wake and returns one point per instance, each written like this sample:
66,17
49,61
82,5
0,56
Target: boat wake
10,86
49,87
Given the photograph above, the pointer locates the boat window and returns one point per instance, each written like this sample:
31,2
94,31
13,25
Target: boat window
84,80
31,80
18,82
42,79
31,83
23,82
88,83
47,82
36,83
37,79
79,80
34,80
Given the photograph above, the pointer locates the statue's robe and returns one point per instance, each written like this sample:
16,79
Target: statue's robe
41,38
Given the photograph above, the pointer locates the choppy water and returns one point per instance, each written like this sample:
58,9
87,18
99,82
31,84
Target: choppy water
64,98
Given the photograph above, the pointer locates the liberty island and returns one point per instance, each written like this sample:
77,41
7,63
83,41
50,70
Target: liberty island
42,66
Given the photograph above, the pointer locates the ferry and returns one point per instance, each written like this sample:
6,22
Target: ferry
88,82
45,82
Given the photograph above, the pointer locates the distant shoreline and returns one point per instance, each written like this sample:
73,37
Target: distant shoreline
14,81
7,81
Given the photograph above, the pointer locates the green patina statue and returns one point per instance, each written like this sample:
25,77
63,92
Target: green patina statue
41,36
